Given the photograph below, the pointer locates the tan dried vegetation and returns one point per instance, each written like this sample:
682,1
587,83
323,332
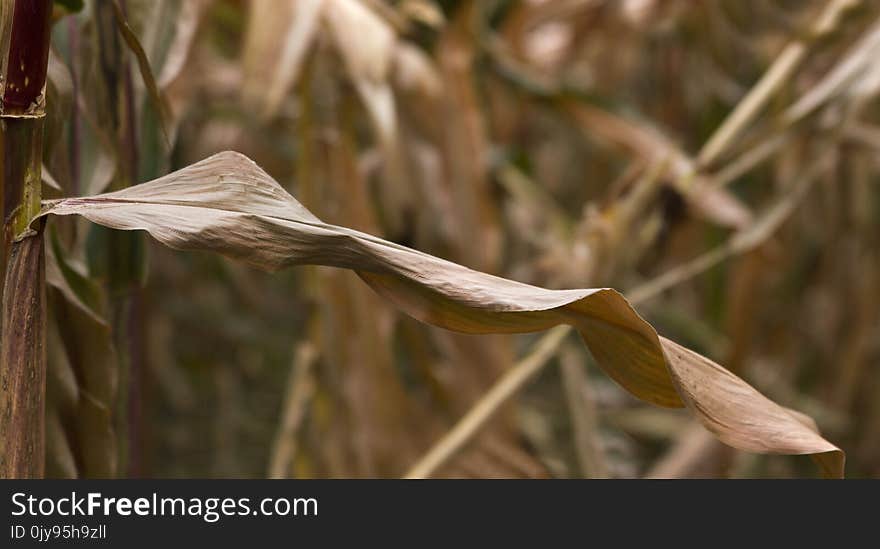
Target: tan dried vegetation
564,144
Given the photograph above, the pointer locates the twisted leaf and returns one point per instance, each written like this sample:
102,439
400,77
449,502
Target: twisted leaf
227,204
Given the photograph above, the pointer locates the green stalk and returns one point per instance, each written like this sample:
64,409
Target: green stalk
117,256
26,35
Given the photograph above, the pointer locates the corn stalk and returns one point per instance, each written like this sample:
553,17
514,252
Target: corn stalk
26,35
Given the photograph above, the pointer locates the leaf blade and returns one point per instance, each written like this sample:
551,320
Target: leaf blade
228,205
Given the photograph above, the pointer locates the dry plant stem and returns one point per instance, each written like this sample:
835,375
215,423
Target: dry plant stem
23,363
22,352
682,272
300,388
583,416
750,159
775,77
494,399
694,446
739,243
745,111
864,134
546,347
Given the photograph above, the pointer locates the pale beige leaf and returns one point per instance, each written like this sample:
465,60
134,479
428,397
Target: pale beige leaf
366,43
741,416
277,38
414,71
379,102
711,202
719,205
300,33
186,25
423,11
229,205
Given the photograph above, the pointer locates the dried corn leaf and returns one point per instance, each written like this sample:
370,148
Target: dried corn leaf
414,72
300,26
367,44
229,205
423,11
711,202
365,41
179,50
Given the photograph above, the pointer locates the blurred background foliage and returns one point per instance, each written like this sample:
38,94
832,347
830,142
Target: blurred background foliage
557,142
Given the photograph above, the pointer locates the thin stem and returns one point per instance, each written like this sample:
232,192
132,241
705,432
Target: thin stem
583,414
120,260
776,76
300,388
739,243
75,132
136,303
750,159
509,384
